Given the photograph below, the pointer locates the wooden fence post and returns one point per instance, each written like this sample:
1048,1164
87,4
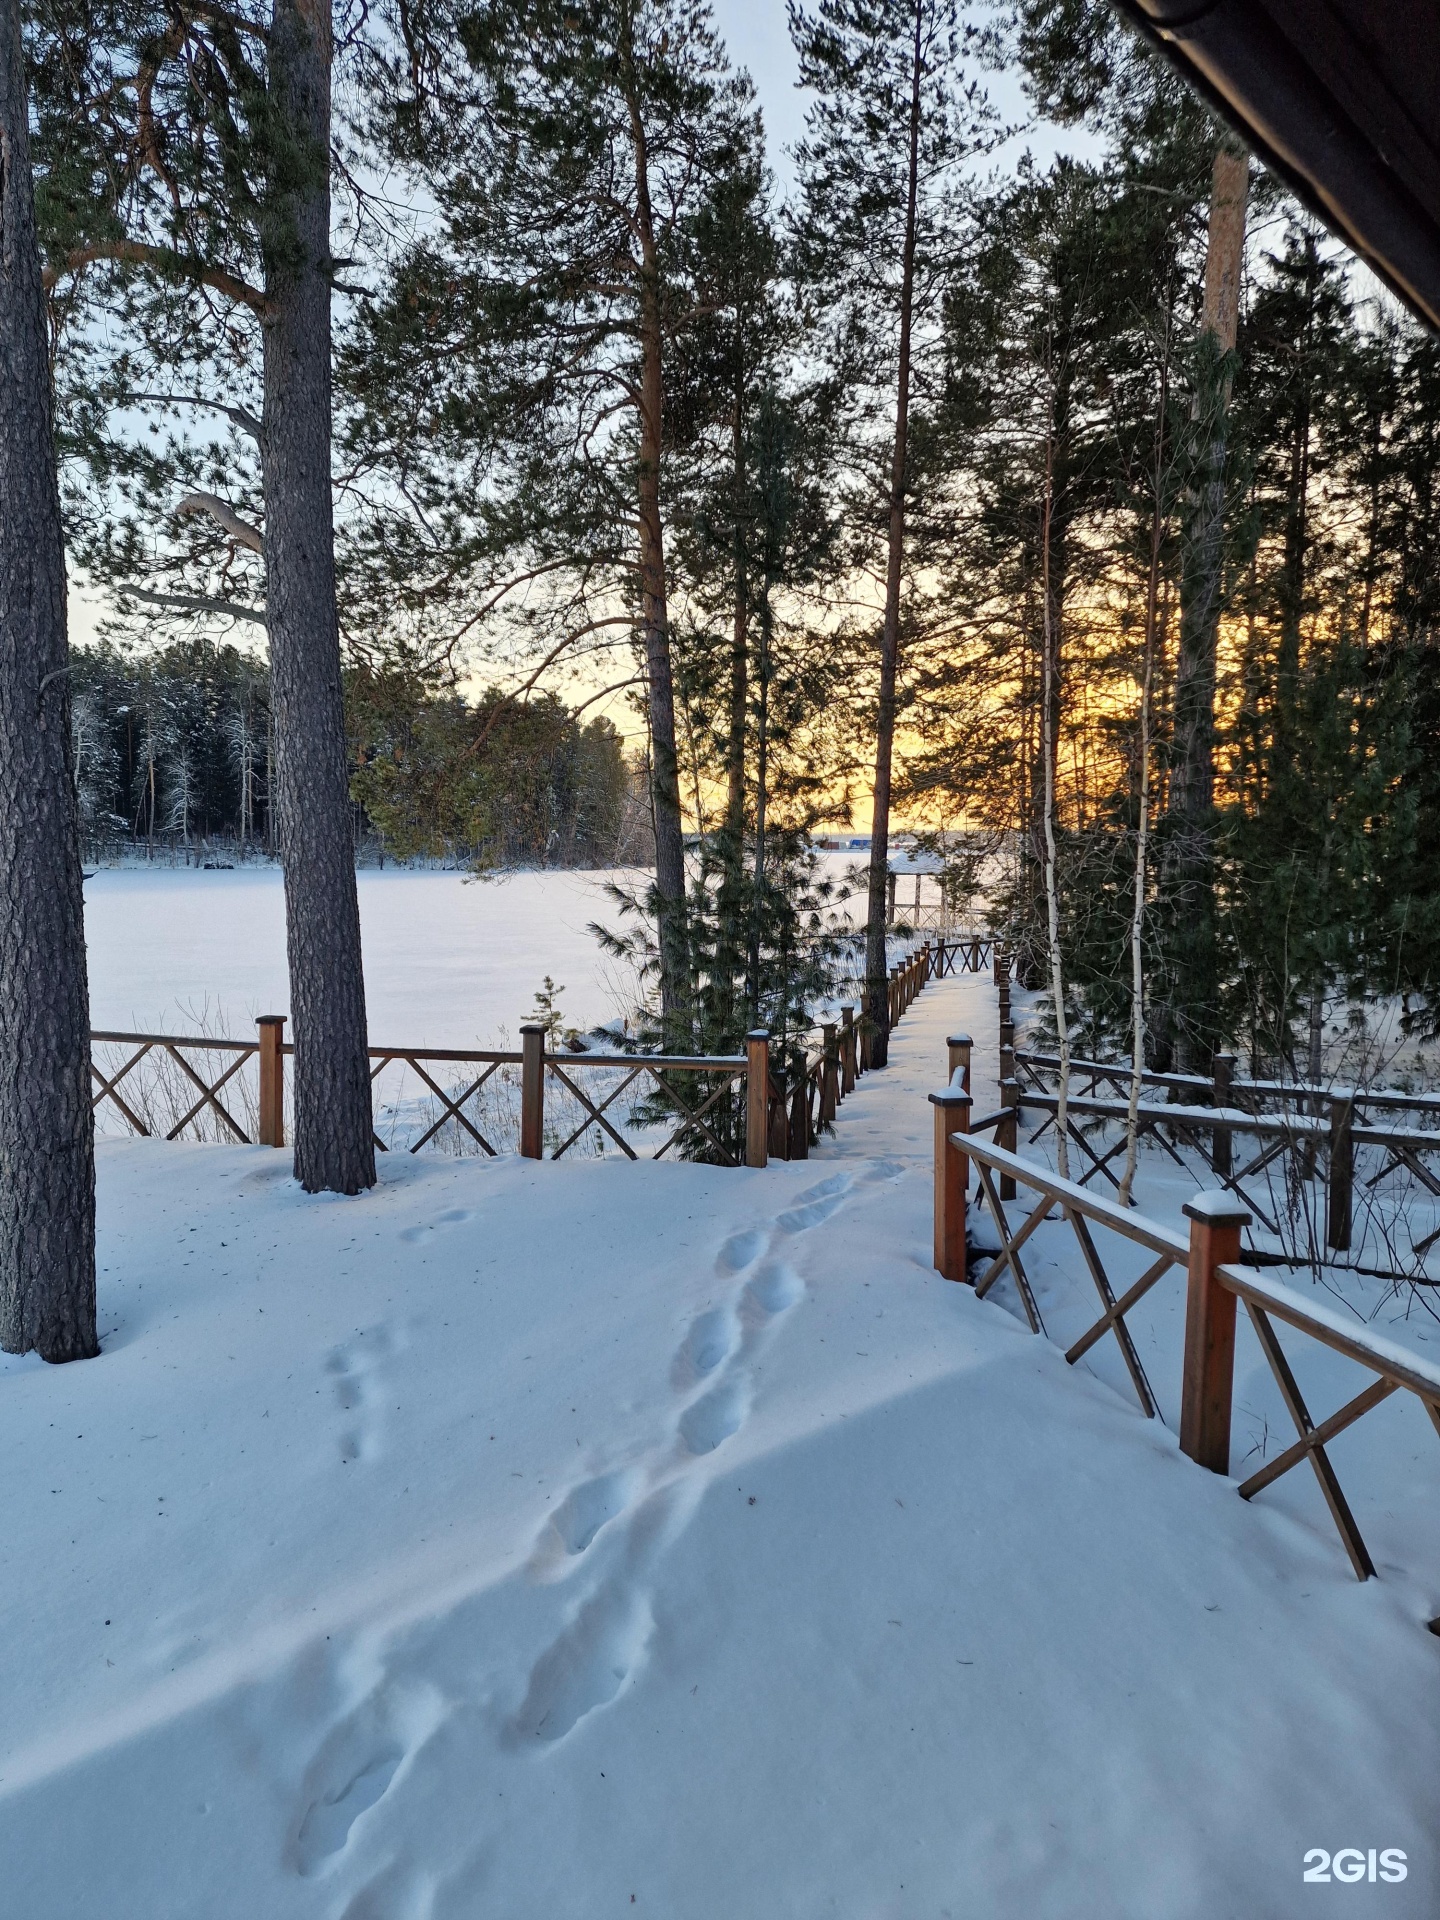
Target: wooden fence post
847,1051
800,1118
757,1097
1007,1050
952,1177
958,1047
1220,1142
829,1075
1341,1183
1007,1134
272,1079
1216,1219
532,1090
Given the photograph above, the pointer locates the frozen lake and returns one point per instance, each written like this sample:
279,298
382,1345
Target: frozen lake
449,960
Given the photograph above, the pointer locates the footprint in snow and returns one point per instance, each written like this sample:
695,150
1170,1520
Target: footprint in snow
426,1229
582,1513
713,1337
815,1204
355,1370
775,1288
715,1416
355,1769
585,1668
741,1250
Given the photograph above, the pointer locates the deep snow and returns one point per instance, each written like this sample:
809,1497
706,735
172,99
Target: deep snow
591,1538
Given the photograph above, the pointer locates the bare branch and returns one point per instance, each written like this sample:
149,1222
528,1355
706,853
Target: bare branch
242,416
192,603
225,517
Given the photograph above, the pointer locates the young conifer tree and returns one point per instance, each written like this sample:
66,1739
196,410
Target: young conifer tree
571,151
878,225
47,1155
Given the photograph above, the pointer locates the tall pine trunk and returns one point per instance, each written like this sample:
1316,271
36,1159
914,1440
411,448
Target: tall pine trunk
334,1137
654,613
1142,825
740,633
47,1151
877,995
1194,986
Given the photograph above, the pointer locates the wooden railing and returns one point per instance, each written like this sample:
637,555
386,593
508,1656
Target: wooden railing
1215,1280
1327,1137
738,1109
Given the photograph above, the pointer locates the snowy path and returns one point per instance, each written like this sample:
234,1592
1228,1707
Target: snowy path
571,1540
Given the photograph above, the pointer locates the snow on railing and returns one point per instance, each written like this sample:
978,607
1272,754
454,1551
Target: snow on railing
1215,1280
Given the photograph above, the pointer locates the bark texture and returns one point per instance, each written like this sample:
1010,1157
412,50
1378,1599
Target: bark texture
1188,1034
47,1153
654,612
877,995
334,1140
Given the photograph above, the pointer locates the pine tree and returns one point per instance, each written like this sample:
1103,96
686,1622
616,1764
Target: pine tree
47,1154
878,231
196,162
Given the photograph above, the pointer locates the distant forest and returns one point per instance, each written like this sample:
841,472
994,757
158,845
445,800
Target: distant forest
173,754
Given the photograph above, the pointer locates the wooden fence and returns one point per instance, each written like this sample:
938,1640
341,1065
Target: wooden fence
1322,1130
735,1109
1215,1280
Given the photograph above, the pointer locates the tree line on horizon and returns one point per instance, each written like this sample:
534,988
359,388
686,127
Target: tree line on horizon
173,749
449,340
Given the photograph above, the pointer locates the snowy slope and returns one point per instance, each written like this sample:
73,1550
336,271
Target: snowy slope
568,1540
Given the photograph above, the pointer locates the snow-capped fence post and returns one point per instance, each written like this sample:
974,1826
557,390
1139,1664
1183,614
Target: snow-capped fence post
272,1079
757,1097
952,1177
532,1090
1341,1183
1216,1219
1007,1134
1223,1076
958,1047
847,1051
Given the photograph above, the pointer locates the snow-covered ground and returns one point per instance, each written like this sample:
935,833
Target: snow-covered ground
591,1538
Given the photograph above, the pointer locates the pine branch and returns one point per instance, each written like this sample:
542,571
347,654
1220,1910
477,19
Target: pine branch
188,603
165,260
225,517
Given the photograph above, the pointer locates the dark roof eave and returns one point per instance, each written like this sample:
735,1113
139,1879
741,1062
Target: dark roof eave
1252,74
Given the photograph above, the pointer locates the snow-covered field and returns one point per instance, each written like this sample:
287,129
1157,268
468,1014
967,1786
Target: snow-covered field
449,960
583,1539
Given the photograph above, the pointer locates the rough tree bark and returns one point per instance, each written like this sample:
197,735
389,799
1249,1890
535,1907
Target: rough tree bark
1142,825
334,1140
1049,746
740,633
1190,884
47,1152
877,995
654,614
